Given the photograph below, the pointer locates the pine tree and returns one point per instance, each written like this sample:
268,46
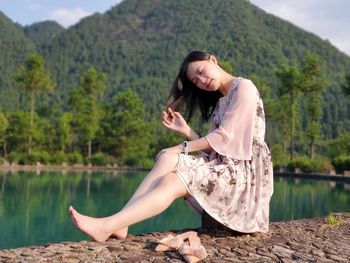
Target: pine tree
290,78
33,78
3,127
313,83
131,132
92,86
65,129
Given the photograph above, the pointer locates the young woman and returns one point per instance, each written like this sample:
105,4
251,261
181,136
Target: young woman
232,178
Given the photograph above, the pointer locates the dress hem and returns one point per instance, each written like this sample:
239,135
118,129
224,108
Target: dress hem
178,173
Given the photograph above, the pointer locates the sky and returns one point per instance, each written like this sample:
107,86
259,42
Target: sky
329,19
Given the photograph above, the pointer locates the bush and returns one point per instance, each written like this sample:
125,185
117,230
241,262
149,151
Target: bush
341,163
339,146
58,158
97,159
147,163
328,165
13,157
302,162
74,158
111,160
132,160
30,158
1,161
45,157
320,165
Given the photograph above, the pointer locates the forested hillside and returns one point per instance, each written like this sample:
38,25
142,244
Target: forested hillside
43,32
140,44
14,49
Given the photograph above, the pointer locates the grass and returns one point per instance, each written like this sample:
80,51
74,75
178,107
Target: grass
333,221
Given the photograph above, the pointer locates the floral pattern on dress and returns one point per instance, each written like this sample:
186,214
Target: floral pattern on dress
234,192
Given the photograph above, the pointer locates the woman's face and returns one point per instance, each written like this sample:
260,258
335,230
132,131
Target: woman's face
204,74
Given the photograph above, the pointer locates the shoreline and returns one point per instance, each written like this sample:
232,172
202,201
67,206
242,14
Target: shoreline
304,240
79,167
76,167
329,177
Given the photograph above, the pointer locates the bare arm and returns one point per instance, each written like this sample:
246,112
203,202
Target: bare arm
192,135
200,144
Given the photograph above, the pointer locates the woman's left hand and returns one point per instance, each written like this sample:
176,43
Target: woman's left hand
175,149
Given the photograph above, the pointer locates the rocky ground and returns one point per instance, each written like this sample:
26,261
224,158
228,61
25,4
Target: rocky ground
306,240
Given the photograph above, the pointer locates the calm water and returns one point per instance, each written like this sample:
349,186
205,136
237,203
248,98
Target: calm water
33,207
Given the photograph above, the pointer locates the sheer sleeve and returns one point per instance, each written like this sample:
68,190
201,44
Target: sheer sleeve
234,137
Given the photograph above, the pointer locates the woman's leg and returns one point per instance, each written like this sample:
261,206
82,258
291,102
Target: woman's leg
151,203
165,164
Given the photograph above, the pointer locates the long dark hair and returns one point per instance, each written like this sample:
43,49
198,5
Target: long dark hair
185,92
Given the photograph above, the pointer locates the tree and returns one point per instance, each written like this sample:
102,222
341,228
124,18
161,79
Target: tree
75,100
290,78
346,86
33,78
313,83
92,85
18,131
261,84
88,121
280,113
65,129
3,127
338,146
131,132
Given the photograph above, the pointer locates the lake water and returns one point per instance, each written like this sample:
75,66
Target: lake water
34,206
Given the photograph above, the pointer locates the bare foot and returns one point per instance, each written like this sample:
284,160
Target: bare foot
94,227
122,233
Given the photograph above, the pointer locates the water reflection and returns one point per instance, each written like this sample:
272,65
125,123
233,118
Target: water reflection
33,205
295,198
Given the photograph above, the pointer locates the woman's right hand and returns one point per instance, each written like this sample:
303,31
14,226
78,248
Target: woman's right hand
175,122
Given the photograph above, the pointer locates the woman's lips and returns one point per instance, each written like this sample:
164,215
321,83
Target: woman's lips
209,83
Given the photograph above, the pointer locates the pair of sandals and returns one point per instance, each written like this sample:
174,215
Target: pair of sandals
188,244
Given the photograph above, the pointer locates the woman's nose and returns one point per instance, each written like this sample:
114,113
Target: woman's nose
203,79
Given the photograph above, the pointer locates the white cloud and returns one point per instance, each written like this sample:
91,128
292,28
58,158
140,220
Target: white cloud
68,17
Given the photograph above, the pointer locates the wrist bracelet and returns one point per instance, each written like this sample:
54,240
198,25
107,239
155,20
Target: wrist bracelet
185,148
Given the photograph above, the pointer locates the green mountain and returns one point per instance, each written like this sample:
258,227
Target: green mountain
140,44
41,33
14,48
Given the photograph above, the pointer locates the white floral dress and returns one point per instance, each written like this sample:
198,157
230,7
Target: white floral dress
234,183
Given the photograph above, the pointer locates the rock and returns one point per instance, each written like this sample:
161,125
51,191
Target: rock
226,253
318,253
282,252
306,240
338,258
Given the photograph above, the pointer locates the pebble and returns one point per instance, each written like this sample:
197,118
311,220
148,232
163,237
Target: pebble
305,240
